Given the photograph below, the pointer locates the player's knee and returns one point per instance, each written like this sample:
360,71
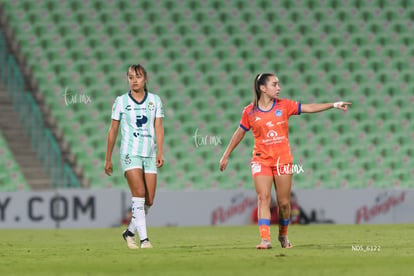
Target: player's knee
138,192
284,205
263,199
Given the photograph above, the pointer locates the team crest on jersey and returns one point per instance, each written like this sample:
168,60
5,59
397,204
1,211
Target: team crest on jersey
151,106
278,113
127,160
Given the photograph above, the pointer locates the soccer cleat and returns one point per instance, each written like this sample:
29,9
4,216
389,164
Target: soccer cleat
284,242
130,240
265,244
146,244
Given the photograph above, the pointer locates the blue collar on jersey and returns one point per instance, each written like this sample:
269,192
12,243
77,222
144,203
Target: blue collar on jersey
273,105
141,102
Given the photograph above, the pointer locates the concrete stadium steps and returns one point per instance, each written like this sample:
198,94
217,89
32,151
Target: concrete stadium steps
20,146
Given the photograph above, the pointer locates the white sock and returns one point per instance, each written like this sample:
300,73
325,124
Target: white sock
138,217
131,226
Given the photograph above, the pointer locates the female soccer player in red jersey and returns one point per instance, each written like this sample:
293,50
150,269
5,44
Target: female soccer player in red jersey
268,117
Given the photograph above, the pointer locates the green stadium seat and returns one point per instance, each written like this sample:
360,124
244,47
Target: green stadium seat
202,58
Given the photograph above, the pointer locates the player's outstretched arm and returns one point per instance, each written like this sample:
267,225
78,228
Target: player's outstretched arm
318,107
235,140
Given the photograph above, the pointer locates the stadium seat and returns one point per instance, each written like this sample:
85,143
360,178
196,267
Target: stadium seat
202,58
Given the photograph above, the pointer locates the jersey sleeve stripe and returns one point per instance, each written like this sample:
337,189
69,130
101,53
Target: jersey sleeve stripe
244,128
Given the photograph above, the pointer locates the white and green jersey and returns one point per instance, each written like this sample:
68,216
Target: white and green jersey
137,123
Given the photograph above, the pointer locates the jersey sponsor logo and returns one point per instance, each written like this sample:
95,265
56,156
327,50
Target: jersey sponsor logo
278,113
273,138
271,133
141,120
269,124
257,119
136,134
128,107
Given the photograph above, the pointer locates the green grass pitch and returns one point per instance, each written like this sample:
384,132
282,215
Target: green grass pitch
318,250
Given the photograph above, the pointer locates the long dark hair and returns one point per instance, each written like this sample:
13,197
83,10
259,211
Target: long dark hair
139,69
260,79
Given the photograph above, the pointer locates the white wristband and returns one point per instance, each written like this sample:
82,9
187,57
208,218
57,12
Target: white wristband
338,104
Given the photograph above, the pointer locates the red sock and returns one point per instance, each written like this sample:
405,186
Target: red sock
264,226
283,226
264,232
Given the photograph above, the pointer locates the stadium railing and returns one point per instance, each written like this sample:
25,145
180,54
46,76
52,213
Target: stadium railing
42,139
3,59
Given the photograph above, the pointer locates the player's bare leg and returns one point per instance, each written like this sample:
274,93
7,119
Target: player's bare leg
135,178
263,186
283,184
150,187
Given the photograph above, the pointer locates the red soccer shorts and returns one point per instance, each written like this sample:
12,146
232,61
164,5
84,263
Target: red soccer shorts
260,169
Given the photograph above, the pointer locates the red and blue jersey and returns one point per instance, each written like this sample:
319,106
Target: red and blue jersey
270,131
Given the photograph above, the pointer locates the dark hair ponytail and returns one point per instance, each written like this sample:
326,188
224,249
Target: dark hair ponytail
260,79
139,69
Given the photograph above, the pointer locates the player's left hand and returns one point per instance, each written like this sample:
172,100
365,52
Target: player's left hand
108,168
342,105
223,163
159,160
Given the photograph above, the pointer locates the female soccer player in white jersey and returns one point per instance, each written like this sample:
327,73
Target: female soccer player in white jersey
139,113
267,116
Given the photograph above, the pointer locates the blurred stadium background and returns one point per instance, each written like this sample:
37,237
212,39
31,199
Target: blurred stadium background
62,63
